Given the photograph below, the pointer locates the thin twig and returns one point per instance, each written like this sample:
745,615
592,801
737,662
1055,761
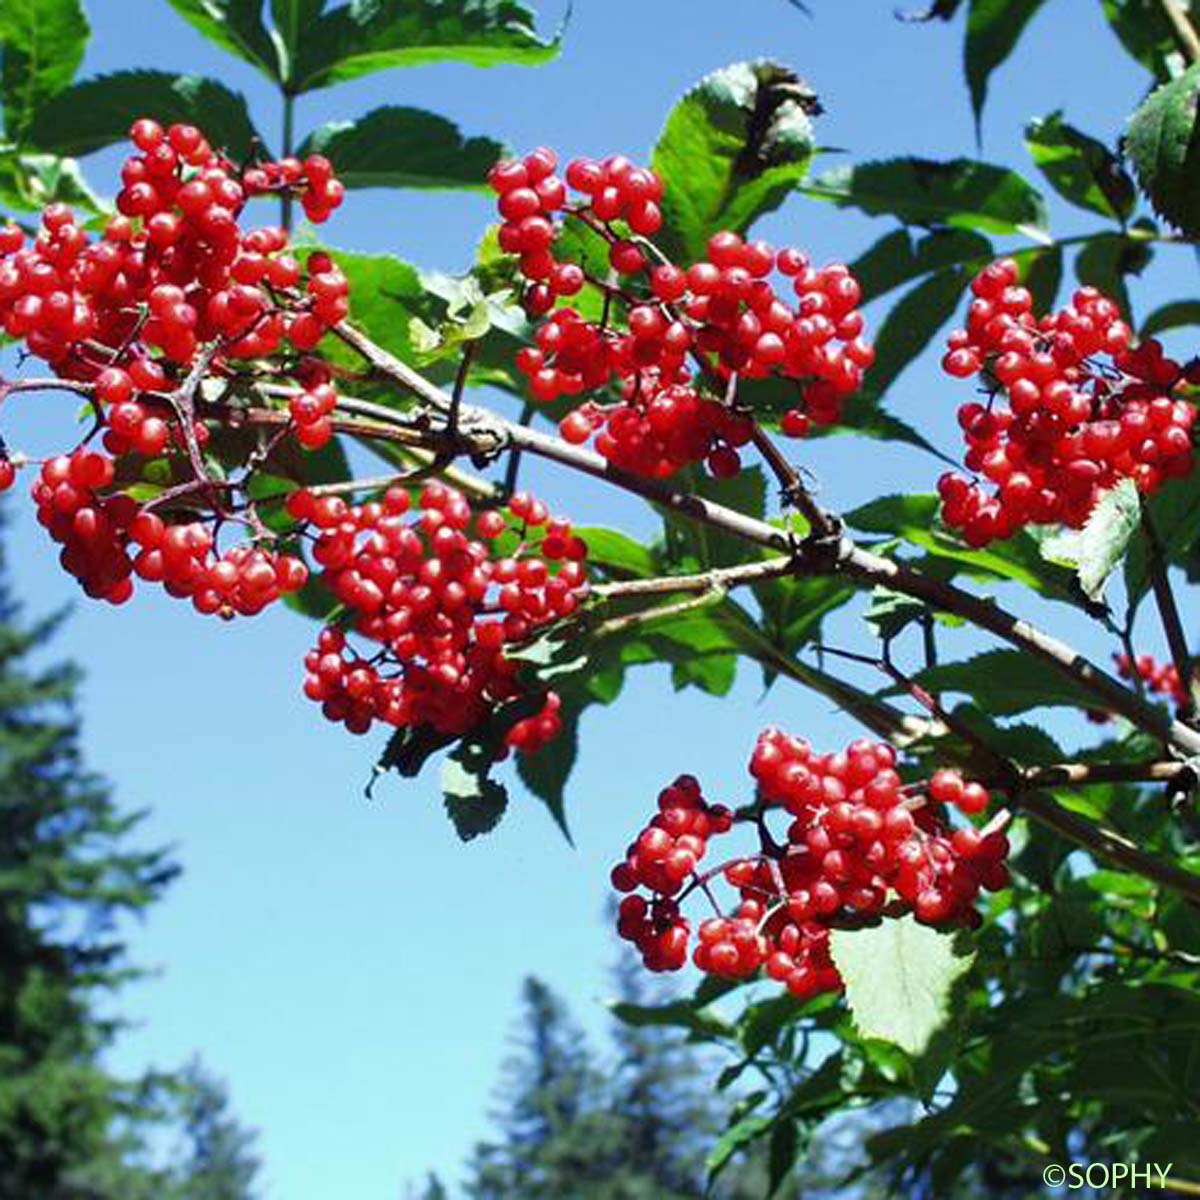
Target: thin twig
1184,31
1168,613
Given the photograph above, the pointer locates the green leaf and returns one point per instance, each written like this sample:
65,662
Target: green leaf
903,255
1041,271
681,1014
1006,682
963,193
99,112
474,801
1179,314
1080,168
731,150
781,1155
388,293
237,27
617,554
899,978
545,773
31,181
404,147
707,547
1163,145
911,325
740,1134
1096,549
915,519
41,46
1104,262
1144,30
376,35
993,27
1174,512
293,21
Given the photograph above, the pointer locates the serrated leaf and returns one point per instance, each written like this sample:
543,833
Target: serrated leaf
1006,682
1162,144
905,254
404,148
1096,549
41,46
746,492
1041,270
962,193
681,1014
731,150
237,27
474,800
31,181
360,38
1104,262
545,773
617,554
99,112
899,978
1179,314
781,1154
993,28
912,324
915,519
1144,30
1080,168
1174,512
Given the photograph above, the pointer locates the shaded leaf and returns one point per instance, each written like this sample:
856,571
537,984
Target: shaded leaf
915,518
905,254
1163,145
1080,168
404,147
1177,315
1174,511
99,112
237,27
377,35
1006,682
1144,30
911,325
899,978
731,150
961,192
993,28
1104,262
41,46
474,800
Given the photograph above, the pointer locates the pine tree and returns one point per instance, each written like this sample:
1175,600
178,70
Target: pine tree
68,874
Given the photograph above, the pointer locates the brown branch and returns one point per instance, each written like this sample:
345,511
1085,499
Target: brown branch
722,578
1168,613
860,565
1183,29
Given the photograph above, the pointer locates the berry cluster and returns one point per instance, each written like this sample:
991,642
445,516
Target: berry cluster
673,340
1071,410
858,842
1159,679
443,591
312,412
173,276
106,540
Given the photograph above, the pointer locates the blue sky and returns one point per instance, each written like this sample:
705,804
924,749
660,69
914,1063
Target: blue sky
348,966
